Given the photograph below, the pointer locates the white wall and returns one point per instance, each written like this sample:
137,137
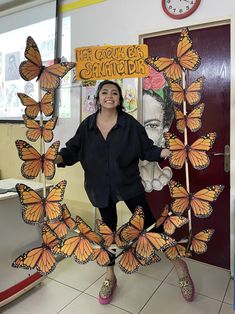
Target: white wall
121,21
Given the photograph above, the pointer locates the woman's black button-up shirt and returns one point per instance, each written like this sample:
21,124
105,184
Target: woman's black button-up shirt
111,165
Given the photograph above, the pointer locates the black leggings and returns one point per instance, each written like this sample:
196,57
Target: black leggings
109,214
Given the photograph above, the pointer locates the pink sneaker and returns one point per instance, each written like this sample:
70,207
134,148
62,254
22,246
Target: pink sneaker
107,290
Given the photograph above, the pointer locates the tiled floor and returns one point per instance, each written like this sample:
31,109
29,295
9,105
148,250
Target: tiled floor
73,288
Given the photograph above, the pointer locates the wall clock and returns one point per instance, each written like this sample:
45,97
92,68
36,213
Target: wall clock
179,9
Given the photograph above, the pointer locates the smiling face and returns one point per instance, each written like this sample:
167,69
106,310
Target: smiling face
153,119
109,97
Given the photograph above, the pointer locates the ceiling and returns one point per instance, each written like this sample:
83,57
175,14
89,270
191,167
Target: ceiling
9,4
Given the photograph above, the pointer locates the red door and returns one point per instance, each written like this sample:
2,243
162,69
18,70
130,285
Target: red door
213,45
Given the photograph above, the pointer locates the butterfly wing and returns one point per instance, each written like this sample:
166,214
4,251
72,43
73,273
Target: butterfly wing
184,43
105,232
48,161
66,216
144,250
173,222
32,107
46,103
53,207
47,129
34,130
193,92
31,203
83,252
177,92
180,119
128,262
67,247
200,200
176,251
163,216
101,256
50,78
78,246
32,159
59,227
29,259
190,60
87,232
194,118
33,66
159,241
199,245
197,151
187,57
178,150
181,196
159,63
134,227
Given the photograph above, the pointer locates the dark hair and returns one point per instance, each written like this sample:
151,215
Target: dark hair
120,107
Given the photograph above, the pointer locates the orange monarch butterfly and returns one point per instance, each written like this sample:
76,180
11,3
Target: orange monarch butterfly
61,226
35,130
40,257
192,120
129,262
101,256
195,152
79,246
49,77
35,207
199,201
147,243
108,236
192,94
33,107
199,240
34,162
186,58
170,222
175,252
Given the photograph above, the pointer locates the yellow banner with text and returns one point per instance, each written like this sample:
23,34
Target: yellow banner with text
111,62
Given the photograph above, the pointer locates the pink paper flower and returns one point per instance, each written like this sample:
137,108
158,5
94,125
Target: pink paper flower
154,81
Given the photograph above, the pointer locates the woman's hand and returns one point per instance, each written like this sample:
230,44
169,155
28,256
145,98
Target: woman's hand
165,153
59,159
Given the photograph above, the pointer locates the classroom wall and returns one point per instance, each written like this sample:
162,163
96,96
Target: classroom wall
113,22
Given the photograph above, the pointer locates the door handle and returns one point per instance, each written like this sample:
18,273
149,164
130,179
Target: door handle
226,155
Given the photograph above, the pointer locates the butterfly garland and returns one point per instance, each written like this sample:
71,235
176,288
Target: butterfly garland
174,69
36,209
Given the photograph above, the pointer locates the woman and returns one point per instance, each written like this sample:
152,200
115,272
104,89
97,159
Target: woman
109,145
